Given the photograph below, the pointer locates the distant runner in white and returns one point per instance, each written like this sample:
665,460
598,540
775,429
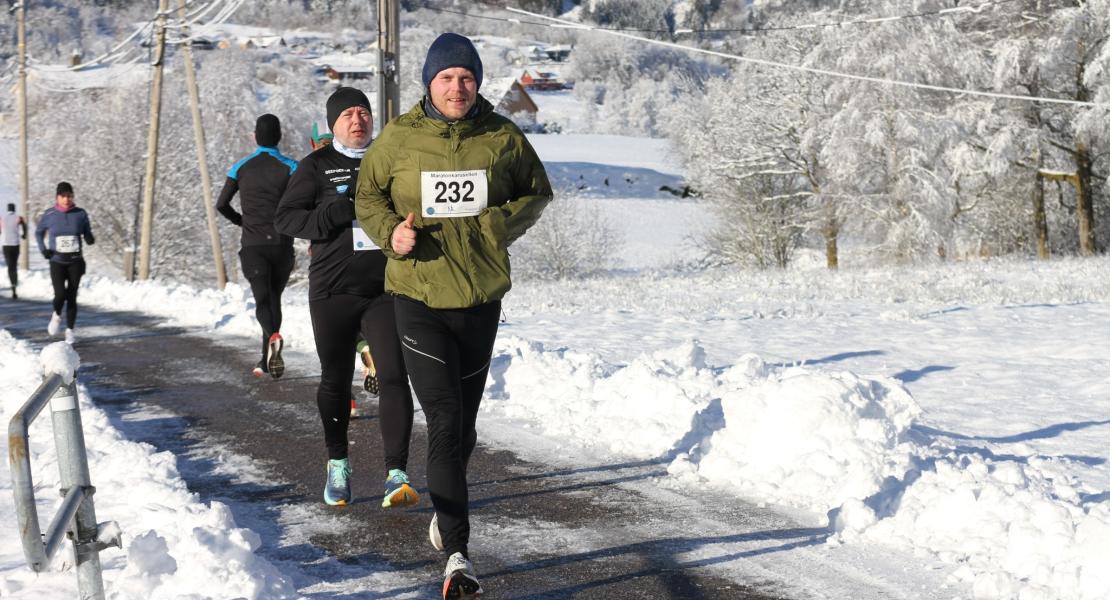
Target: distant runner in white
12,229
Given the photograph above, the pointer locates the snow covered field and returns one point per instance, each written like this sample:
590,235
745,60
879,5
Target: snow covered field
953,414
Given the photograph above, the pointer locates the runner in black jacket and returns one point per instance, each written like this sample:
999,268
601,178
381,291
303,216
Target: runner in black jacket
346,296
266,255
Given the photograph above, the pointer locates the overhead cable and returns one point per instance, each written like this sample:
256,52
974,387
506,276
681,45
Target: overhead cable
941,12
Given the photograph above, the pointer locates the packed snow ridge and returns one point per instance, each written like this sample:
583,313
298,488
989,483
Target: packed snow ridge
840,445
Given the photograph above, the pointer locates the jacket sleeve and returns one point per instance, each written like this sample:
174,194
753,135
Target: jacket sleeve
531,194
40,232
373,204
86,230
223,204
299,214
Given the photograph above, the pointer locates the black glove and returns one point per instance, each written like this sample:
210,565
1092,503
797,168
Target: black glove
47,253
340,212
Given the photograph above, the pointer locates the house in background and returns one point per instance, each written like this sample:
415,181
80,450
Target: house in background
342,73
552,53
510,99
542,81
344,68
557,53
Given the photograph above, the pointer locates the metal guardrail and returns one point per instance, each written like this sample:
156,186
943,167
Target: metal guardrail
76,518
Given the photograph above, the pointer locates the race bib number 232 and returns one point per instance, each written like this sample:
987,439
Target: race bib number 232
453,193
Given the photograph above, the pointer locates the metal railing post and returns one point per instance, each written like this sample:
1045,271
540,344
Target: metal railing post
76,518
73,464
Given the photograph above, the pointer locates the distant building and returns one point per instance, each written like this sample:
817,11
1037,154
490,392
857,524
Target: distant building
509,98
553,53
542,81
557,53
349,72
261,41
203,43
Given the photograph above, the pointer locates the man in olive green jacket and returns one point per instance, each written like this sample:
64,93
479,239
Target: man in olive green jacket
444,190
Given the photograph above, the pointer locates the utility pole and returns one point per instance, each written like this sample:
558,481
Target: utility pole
152,142
389,61
202,153
21,37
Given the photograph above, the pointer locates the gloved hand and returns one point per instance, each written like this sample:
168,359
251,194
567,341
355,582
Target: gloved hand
47,253
340,212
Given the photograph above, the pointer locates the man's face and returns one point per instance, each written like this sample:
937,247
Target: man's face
354,127
65,200
454,92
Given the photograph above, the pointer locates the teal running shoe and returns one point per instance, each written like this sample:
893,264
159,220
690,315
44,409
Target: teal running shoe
337,490
398,492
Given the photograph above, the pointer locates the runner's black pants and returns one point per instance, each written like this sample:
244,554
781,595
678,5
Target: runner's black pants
267,268
11,257
447,353
336,323
66,277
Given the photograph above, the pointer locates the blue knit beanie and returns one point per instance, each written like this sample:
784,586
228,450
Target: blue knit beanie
451,50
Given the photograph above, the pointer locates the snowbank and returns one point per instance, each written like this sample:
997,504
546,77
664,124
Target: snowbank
174,545
834,443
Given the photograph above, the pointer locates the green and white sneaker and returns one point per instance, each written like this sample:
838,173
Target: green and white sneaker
398,492
337,489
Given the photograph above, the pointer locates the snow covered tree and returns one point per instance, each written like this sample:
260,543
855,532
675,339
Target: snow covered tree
1057,54
740,141
570,241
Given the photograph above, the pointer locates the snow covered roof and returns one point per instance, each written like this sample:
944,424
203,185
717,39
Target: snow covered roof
495,90
340,60
62,79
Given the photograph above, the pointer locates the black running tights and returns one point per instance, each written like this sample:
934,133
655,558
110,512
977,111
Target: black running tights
66,277
447,353
336,323
11,257
267,268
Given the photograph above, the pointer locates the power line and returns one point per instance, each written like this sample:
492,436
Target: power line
221,17
942,12
564,24
118,52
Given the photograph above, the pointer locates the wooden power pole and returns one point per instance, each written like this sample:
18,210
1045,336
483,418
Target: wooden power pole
152,142
202,154
21,100
389,61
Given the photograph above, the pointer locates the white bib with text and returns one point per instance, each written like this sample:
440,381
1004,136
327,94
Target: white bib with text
67,243
359,239
453,193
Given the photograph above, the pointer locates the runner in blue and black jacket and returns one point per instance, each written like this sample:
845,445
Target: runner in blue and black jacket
60,233
267,256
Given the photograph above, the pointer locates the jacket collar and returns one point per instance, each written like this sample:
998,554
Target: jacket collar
482,109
